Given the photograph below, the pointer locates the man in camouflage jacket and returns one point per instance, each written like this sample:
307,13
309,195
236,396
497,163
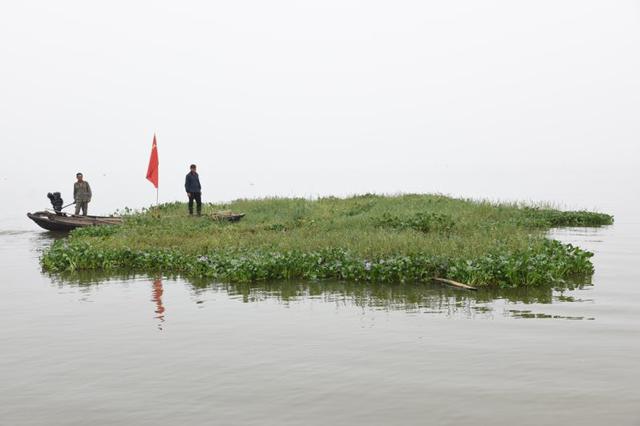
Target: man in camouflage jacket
81,194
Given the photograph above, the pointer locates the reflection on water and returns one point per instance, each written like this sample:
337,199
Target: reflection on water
157,298
435,299
528,314
411,298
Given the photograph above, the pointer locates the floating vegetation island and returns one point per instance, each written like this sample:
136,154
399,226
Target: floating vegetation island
367,238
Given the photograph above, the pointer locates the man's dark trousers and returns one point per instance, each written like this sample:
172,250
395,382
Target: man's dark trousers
197,196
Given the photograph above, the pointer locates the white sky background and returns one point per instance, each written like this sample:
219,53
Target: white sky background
497,99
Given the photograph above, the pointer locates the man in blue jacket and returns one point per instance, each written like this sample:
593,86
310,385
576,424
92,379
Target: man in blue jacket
194,191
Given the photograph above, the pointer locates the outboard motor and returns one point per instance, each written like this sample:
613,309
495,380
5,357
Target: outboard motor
56,201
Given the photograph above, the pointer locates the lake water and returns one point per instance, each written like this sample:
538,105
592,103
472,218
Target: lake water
160,350
500,100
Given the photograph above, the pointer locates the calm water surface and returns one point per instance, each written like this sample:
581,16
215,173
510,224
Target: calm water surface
160,350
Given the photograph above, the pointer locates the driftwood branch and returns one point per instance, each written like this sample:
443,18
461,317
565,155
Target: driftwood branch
455,284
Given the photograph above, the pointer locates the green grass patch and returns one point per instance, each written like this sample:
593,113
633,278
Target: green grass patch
368,238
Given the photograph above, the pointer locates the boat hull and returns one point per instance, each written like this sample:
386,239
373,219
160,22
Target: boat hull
228,216
63,222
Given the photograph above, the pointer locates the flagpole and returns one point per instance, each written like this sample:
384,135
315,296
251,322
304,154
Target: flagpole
158,183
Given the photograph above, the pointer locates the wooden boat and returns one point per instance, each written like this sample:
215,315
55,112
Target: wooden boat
53,221
227,215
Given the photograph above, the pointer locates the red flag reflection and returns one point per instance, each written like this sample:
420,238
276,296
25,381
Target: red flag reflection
157,298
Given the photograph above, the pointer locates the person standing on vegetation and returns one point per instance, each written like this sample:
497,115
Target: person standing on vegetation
194,190
81,194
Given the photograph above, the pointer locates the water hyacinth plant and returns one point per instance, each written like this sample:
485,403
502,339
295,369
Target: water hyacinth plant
370,238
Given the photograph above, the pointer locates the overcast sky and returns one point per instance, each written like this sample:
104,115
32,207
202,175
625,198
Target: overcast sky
499,99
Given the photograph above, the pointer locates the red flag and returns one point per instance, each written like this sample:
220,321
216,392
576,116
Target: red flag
152,170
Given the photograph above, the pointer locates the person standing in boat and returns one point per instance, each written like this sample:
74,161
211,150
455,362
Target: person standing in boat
81,194
194,190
